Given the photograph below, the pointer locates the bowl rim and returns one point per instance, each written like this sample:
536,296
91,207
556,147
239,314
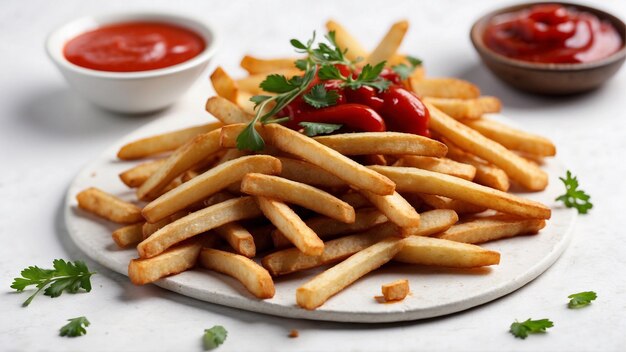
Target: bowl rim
208,33
480,46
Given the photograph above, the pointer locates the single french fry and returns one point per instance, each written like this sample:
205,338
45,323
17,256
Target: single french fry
108,206
326,227
466,108
137,175
297,193
226,111
517,168
256,279
183,159
290,224
318,290
150,228
444,88
513,138
441,165
440,252
328,159
459,206
301,171
423,181
245,104
346,41
292,260
224,85
395,208
251,84
162,143
389,44
486,174
239,238
255,65
196,223
173,261
395,291
128,235
489,228
391,143
210,182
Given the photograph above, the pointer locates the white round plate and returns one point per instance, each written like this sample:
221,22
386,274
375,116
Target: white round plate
435,291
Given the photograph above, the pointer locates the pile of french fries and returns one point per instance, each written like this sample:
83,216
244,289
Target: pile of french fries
350,202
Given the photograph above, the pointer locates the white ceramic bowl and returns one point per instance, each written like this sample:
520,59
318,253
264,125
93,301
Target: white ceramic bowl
131,92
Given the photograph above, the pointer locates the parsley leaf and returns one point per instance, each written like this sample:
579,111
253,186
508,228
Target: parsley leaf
573,197
250,139
66,276
369,76
404,70
327,72
214,337
521,330
314,128
319,97
581,299
275,83
75,327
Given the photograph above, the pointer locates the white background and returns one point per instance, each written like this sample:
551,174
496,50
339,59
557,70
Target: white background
47,134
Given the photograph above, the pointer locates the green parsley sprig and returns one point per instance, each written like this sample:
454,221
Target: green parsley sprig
581,299
403,70
316,128
66,276
521,330
214,337
574,197
75,327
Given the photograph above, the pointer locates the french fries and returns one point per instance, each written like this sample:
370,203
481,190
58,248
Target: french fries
224,85
251,84
395,291
395,208
136,176
459,206
255,65
173,261
392,143
484,229
444,88
256,279
486,174
318,290
446,253
442,165
226,111
108,206
346,41
466,108
128,235
239,238
301,171
389,44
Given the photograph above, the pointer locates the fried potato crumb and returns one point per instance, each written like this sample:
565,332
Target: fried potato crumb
294,333
396,291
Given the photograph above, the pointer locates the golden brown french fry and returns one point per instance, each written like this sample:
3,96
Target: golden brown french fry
440,252
326,227
292,260
297,193
411,179
173,261
486,174
183,159
108,206
255,65
389,44
513,138
517,168
150,228
210,182
459,206
251,83
301,171
239,238
391,143
231,154
224,85
256,279
466,108
290,224
441,165
328,159
162,143
318,290
489,228
346,41
395,208
136,176
444,88
244,102
128,235
395,291
196,223
226,111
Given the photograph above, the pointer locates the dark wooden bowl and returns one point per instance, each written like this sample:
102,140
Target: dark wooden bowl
549,79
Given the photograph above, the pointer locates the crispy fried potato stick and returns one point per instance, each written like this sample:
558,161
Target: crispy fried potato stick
444,88
318,290
173,261
238,237
440,252
196,223
108,206
150,228
128,235
423,181
256,279
486,174
390,143
466,108
395,208
459,206
162,143
255,65
395,291
441,165
301,171
526,174
346,41
290,224
136,176
251,83
210,182
224,85
484,229
389,44
226,111
298,193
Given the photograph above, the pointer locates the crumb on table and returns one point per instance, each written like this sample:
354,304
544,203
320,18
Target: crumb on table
294,333
396,291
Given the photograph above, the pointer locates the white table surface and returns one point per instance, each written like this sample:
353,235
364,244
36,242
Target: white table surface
47,134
